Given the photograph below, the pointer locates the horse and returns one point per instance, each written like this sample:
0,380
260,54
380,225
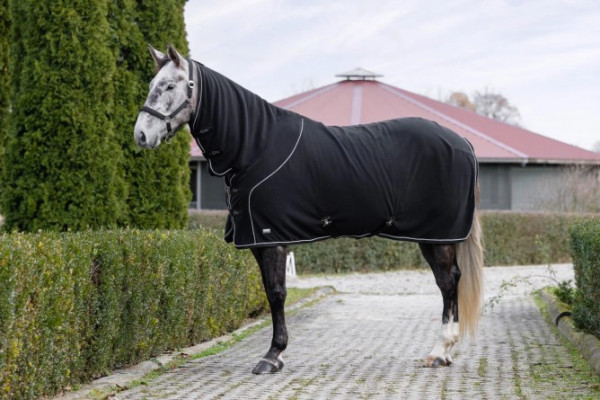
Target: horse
292,180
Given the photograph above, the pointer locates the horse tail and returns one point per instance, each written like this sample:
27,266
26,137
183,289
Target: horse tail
469,257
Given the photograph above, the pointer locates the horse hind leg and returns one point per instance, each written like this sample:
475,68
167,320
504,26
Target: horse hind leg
271,261
442,260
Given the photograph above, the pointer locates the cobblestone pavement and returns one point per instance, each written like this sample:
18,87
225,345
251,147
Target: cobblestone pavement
369,341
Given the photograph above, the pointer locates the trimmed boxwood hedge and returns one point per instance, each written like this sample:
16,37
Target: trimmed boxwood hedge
75,306
522,238
585,247
510,238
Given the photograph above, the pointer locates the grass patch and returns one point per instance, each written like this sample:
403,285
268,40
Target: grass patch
482,368
514,356
294,295
578,374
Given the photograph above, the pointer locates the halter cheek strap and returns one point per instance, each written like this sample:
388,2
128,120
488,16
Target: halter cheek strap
185,104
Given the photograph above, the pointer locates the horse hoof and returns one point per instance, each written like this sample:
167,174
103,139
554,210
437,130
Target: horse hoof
268,366
436,362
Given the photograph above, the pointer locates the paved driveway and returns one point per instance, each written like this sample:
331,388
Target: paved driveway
369,340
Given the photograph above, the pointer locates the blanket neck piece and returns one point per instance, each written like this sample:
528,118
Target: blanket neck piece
230,124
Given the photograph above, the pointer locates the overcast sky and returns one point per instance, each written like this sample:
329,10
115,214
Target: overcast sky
542,55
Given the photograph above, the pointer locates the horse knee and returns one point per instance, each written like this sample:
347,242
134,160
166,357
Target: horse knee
277,295
447,284
455,272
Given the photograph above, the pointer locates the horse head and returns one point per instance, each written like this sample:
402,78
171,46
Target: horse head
169,104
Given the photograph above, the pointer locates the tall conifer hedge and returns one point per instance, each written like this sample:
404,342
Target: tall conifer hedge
158,180
61,148
4,78
79,73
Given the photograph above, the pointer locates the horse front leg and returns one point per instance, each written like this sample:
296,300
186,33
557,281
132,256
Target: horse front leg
271,261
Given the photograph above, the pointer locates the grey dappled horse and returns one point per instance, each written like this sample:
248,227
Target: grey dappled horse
293,180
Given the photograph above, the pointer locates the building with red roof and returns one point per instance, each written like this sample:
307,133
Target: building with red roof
517,167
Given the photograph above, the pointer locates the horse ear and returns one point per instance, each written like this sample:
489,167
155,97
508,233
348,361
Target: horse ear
174,55
158,56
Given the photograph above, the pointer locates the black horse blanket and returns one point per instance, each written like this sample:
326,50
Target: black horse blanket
294,180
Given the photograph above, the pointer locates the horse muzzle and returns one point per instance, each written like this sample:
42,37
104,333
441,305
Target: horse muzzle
142,140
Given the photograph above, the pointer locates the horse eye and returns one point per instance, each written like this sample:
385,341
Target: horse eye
171,86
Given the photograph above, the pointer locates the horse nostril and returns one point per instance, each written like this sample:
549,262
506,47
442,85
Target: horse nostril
142,137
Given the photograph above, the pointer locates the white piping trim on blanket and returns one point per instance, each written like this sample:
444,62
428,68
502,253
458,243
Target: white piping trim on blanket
218,173
269,176
402,238
424,240
199,94
457,123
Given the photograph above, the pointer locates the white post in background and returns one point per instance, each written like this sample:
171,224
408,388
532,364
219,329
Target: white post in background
290,264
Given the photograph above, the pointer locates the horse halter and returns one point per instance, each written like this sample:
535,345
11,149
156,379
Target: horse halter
167,118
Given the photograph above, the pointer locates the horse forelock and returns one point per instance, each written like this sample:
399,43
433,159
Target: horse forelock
164,61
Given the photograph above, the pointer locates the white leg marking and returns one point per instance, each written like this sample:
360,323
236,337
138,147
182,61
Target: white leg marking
455,336
455,331
444,345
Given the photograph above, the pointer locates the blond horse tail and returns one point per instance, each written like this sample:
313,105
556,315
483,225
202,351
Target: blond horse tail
469,256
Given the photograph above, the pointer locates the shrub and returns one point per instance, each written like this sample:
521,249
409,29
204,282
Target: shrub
75,306
510,238
352,255
4,76
514,238
565,292
157,191
585,248
60,148
79,71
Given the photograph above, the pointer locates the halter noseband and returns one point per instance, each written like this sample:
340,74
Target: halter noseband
167,118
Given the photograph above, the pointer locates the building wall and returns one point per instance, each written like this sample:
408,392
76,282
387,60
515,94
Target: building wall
502,186
532,185
516,187
209,189
495,187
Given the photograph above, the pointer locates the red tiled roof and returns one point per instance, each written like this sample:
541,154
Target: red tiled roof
195,151
352,102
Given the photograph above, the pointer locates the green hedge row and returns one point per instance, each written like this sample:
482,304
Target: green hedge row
585,247
356,255
75,306
510,238
515,238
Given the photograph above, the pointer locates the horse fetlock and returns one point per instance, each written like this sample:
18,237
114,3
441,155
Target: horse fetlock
278,345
